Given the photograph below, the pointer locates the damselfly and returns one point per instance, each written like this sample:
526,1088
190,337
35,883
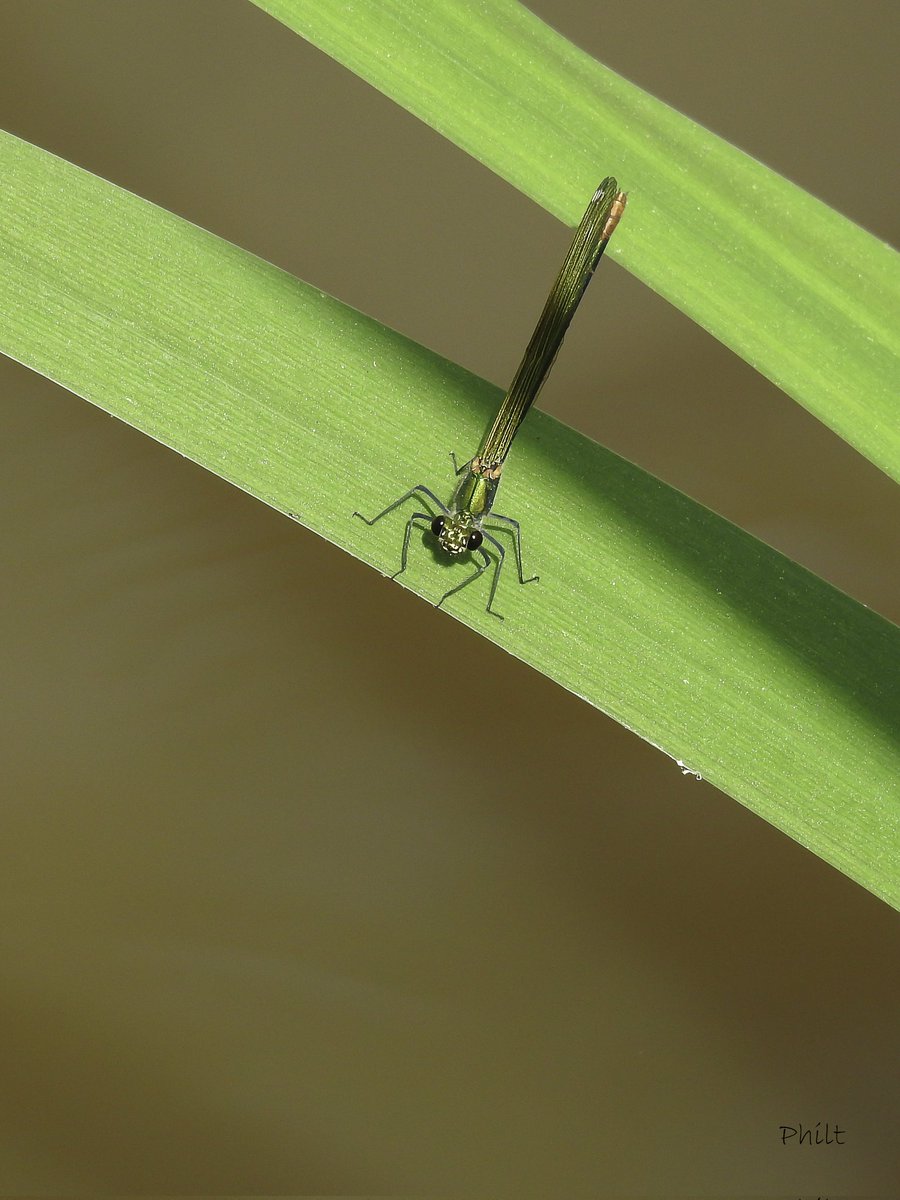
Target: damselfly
461,527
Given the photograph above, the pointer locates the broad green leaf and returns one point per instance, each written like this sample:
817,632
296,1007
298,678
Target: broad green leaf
798,290
731,658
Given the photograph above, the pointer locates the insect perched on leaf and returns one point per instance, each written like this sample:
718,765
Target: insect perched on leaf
463,527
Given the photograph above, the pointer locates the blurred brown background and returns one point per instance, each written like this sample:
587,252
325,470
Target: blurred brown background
263,931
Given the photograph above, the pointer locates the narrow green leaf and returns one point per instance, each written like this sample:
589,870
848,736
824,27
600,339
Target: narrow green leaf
796,289
728,656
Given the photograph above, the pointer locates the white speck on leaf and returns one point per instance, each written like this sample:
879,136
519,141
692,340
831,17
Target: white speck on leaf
686,770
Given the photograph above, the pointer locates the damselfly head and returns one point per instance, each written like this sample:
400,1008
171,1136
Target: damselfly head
457,533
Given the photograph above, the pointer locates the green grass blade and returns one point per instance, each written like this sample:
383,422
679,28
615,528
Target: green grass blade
796,289
728,656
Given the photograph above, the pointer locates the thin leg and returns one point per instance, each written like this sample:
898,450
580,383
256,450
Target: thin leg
501,555
518,544
469,578
427,518
457,469
420,487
